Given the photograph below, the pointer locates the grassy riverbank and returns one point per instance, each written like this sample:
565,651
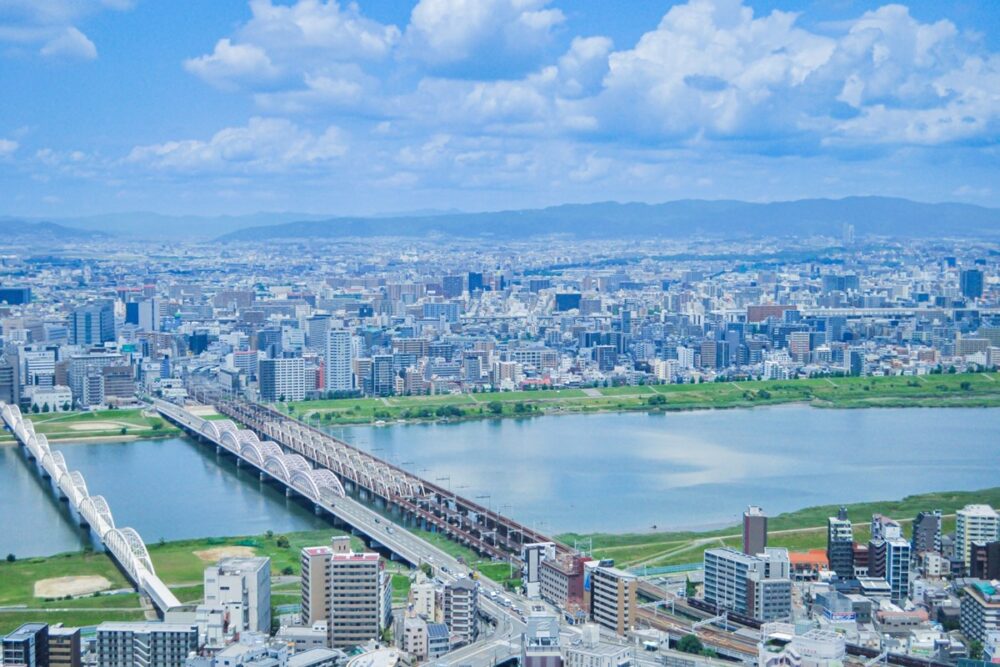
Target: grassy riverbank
180,564
798,531
949,390
97,425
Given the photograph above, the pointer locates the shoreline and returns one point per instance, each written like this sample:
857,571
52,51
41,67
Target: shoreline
89,439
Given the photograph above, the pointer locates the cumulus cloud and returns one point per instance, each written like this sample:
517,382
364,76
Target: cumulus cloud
50,25
229,64
447,31
262,145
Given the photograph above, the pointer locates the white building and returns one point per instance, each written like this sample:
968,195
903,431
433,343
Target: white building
241,587
339,373
145,644
974,523
282,379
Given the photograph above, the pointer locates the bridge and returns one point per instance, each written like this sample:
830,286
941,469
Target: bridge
413,500
124,543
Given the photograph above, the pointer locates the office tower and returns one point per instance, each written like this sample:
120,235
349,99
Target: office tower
840,544
149,314
889,559
282,379
28,646
316,328
540,640
350,591
145,644
759,586
460,604
475,282
93,324
567,301
612,598
927,532
452,286
971,283
241,587
974,523
754,530
339,374
15,296
848,234
383,376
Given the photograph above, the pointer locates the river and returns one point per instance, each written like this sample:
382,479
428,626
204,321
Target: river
601,472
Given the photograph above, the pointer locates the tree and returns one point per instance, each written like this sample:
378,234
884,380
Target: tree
424,567
690,588
45,406
976,650
288,570
34,408
124,431
282,542
690,644
495,407
65,407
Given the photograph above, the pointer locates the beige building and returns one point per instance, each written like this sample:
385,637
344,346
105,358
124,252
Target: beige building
350,591
612,598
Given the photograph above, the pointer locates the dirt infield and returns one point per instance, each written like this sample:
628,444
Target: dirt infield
62,586
98,426
212,555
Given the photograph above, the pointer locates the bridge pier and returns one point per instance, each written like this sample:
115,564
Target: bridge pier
317,510
263,476
288,492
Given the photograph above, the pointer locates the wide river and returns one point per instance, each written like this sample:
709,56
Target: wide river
601,472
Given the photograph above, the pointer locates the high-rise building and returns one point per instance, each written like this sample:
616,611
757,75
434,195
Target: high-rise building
10,385
316,328
282,379
612,598
759,586
350,591
971,283
15,296
383,376
980,610
475,282
93,324
241,587
452,286
754,530
339,373
840,544
460,604
974,523
28,646
145,644
927,532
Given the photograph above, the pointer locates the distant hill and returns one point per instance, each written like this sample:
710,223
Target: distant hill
869,215
15,228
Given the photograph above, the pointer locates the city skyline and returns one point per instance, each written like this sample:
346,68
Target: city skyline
336,108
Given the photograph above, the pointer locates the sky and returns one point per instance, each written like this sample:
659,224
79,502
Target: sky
381,106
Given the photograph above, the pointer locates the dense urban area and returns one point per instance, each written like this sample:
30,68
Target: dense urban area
257,350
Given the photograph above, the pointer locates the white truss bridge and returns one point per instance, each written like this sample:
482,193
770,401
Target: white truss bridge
123,543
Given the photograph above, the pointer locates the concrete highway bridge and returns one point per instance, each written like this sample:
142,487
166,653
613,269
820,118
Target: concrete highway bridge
123,543
412,500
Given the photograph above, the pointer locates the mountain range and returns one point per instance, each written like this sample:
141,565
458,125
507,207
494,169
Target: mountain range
884,216
677,219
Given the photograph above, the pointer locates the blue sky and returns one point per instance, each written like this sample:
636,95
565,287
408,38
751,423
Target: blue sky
236,106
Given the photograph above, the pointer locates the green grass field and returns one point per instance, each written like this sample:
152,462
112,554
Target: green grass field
96,424
948,390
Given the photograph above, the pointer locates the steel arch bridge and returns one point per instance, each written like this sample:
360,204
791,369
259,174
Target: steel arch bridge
123,543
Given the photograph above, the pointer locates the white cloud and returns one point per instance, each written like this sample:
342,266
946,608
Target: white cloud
263,145
70,43
229,64
50,25
7,147
445,31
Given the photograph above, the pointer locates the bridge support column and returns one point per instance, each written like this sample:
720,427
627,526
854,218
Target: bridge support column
317,510
263,476
288,492
239,462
